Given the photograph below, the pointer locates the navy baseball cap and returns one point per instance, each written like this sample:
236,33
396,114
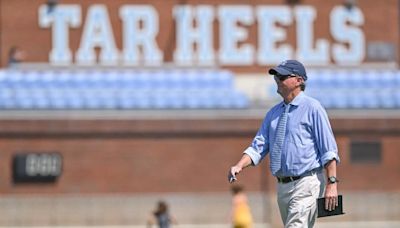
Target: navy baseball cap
289,67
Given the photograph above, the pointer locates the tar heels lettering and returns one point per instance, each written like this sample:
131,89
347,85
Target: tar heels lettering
197,39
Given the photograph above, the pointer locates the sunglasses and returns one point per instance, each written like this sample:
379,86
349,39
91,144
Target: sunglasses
284,77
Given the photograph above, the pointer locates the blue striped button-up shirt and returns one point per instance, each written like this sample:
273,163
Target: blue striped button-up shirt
309,142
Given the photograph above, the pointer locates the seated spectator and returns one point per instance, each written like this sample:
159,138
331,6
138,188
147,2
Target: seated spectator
15,56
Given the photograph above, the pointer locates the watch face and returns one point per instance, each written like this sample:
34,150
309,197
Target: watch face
332,179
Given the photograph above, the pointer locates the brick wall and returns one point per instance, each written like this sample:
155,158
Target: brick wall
136,156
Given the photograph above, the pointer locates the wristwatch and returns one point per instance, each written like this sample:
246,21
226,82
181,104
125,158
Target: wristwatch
332,180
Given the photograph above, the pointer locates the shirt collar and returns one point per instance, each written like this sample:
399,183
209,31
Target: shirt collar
297,100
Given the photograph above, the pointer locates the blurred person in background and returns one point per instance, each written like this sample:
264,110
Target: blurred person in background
51,5
15,56
350,4
241,214
298,137
161,216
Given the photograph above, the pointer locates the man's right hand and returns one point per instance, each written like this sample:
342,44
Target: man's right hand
232,173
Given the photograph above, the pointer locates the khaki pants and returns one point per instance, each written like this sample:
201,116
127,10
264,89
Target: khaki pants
297,200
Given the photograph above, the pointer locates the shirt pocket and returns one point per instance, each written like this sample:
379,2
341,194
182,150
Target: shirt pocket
300,145
300,134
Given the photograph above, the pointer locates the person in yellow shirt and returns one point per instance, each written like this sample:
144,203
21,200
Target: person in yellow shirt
241,214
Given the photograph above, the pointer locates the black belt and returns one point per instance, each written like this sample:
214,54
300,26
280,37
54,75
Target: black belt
285,180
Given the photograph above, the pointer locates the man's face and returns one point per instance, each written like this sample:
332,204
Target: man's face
287,83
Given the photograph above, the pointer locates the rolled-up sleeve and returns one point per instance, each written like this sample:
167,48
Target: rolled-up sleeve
260,144
326,143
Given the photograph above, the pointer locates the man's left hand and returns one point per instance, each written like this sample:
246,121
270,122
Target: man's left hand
331,197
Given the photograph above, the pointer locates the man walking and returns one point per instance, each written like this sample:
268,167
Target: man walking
299,139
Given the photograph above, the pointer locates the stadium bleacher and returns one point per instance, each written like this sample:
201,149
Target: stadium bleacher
355,89
81,89
352,88
119,89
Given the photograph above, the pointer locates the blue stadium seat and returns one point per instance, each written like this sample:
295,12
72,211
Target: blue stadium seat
388,79
371,79
371,100
223,79
342,79
338,99
354,88
387,98
119,89
239,100
355,79
396,97
327,79
356,99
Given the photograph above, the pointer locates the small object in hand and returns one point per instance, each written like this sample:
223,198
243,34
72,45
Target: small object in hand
321,208
232,179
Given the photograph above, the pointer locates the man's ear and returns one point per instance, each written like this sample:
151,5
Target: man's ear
300,80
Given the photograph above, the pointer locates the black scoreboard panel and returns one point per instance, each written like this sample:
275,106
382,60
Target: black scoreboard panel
34,167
